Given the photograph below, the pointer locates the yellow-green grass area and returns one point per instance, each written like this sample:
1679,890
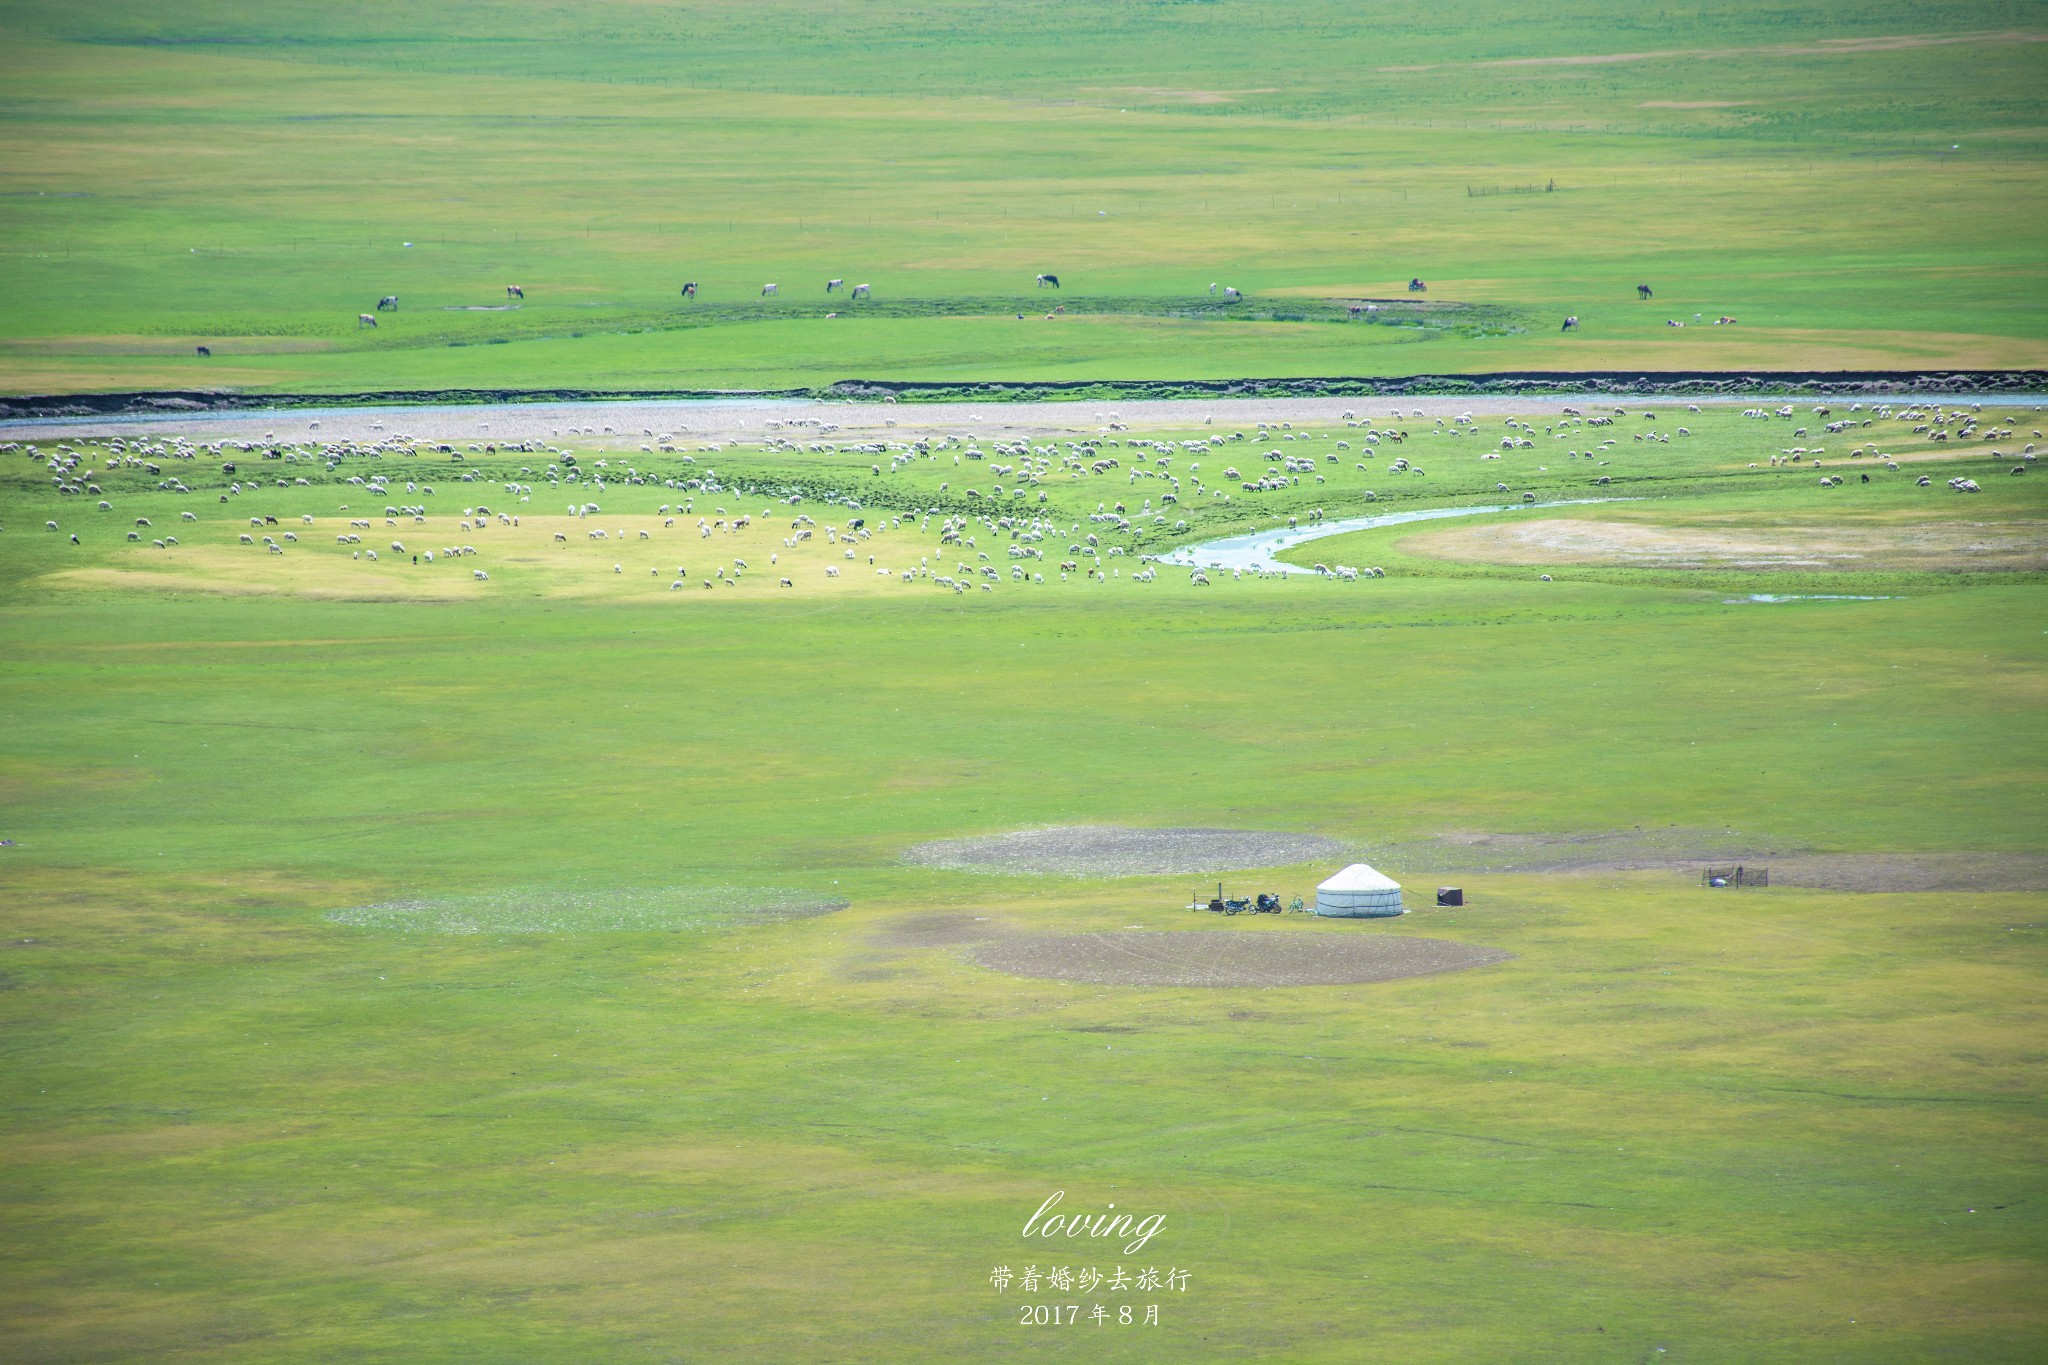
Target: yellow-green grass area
1729,1125
1031,510
1856,189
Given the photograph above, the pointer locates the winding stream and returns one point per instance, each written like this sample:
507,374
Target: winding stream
1254,550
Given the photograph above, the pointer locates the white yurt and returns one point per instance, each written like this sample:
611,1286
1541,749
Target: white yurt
1359,892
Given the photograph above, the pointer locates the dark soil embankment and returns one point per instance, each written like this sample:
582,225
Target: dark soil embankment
1531,383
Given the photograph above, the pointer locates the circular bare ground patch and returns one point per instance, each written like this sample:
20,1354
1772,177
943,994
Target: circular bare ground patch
1210,958
1118,851
669,908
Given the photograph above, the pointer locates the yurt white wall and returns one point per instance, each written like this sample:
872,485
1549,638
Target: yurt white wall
1359,892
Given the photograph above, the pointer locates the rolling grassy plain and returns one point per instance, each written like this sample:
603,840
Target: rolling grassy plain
1858,186
1680,1124
248,1120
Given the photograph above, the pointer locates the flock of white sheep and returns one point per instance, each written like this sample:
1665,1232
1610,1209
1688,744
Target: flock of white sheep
1005,498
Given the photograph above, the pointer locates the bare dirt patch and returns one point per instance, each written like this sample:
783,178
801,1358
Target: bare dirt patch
1914,871
1211,958
1678,849
2010,547
1117,851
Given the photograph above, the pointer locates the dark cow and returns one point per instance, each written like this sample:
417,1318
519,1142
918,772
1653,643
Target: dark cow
513,291
388,301
1571,324
1416,286
690,289
1044,280
205,350
1643,291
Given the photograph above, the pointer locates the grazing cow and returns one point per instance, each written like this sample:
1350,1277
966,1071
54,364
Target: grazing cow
1044,280
365,320
1231,295
388,301
689,289
205,350
513,291
1643,291
861,291
1571,324
1416,286
766,290
831,285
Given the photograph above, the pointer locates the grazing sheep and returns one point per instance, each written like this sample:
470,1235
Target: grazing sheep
479,575
248,539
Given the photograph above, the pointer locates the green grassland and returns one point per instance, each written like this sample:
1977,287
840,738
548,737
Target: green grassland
1858,186
1679,1124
